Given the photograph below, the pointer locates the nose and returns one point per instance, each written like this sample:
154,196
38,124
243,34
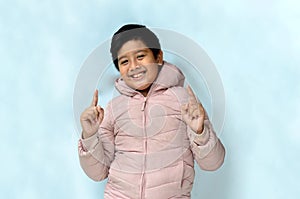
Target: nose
133,65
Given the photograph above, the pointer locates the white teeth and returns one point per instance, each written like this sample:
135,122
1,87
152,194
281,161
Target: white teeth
138,75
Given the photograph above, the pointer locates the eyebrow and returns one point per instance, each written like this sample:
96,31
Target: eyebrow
135,52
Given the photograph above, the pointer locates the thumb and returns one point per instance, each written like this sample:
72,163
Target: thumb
100,114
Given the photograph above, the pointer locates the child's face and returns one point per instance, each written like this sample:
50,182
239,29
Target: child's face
137,64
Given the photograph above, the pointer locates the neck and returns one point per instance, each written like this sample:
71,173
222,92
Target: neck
145,91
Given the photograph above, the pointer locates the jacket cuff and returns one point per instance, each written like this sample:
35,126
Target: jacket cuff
90,143
199,139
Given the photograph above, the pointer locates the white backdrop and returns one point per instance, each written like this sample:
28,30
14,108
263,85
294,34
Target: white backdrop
255,46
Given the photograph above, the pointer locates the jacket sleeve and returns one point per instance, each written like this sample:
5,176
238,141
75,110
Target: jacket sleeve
97,152
207,149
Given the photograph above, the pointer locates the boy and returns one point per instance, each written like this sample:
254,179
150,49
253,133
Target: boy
146,140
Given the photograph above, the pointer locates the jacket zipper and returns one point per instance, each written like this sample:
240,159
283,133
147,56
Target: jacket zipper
144,104
145,147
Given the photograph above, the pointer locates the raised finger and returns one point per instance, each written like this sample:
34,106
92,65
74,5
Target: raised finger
95,98
192,96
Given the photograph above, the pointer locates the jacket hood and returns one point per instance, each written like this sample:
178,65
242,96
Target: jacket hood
168,76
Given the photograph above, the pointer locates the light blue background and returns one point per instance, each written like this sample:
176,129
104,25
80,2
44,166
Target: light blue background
255,46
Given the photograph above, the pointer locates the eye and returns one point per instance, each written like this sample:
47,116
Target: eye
140,57
123,62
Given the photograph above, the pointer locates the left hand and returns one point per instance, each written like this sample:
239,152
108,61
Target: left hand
193,113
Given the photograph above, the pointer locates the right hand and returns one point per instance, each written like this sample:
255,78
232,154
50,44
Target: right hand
91,118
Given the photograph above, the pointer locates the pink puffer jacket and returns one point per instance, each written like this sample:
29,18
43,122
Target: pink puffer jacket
145,148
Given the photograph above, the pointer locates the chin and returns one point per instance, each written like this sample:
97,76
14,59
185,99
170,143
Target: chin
144,87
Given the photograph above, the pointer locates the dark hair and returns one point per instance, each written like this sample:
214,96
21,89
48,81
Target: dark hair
133,32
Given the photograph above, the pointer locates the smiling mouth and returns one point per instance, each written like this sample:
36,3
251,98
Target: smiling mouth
138,75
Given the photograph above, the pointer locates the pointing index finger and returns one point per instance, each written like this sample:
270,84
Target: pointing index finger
193,97
95,98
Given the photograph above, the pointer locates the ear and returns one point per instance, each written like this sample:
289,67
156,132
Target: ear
160,59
